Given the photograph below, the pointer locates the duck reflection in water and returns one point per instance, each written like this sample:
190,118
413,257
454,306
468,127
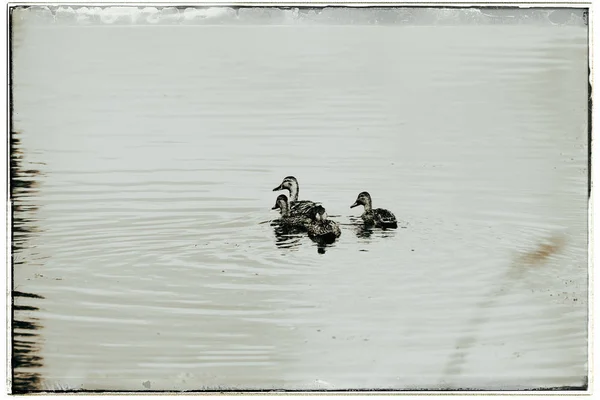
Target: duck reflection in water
291,238
362,230
285,237
366,231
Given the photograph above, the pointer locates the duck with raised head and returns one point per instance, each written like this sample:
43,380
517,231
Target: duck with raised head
297,207
379,217
321,228
287,220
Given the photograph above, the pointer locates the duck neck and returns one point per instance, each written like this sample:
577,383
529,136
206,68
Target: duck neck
368,205
285,209
294,189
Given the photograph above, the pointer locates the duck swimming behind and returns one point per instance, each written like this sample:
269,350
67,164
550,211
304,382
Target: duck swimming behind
379,217
322,229
287,220
297,207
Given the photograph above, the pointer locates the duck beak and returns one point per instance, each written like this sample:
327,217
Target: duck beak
275,207
355,204
280,187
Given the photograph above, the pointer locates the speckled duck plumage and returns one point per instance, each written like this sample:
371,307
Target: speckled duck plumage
379,217
321,227
288,220
297,207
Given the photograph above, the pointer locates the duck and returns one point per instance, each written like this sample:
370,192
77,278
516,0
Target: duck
297,207
379,217
321,228
287,220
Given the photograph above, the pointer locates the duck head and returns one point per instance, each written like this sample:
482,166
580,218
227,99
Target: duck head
282,204
364,199
319,214
290,184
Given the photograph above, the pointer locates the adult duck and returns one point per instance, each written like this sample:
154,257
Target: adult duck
379,217
297,207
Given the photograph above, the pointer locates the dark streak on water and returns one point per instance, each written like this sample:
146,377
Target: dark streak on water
25,326
589,137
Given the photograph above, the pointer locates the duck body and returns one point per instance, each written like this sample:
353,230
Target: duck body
327,231
302,207
298,222
297,207
322,229
379,217
288,221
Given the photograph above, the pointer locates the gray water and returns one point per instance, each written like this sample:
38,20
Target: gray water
144,159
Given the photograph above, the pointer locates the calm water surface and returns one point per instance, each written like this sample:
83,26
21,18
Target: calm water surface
143,162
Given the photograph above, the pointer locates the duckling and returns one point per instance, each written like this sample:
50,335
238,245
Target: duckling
298,207
379,217
287,220
321,228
